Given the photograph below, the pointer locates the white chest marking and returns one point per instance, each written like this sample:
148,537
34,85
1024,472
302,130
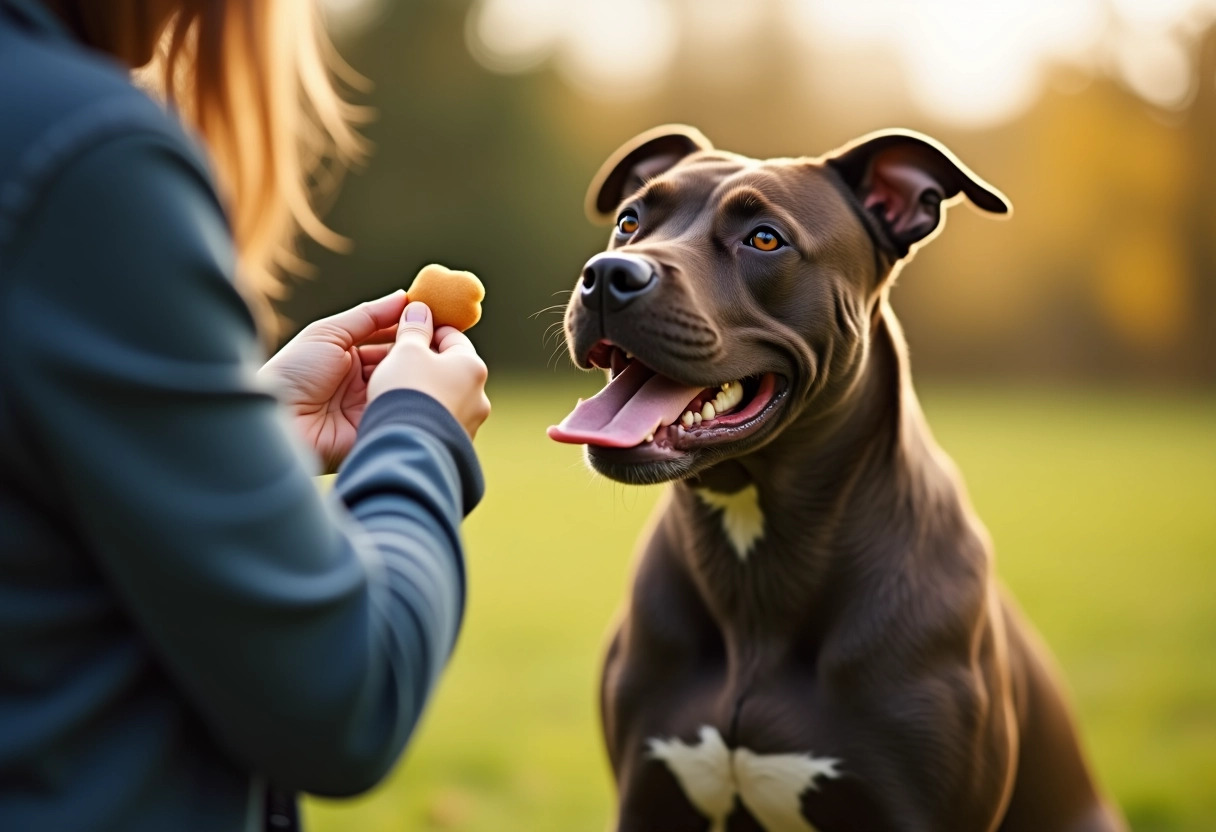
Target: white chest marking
742,519
769,785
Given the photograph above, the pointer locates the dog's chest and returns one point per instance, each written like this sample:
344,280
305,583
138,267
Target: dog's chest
713,775
740,515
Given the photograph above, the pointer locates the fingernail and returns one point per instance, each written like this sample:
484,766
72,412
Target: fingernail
393,294
416,312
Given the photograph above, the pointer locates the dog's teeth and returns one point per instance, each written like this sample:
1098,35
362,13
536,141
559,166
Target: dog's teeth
696,418
650,437
708,412
628,356
726,385
687,419
730,396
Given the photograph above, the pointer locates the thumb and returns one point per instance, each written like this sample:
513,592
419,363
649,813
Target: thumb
361,322
416,325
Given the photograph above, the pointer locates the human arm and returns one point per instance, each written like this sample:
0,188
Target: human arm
307,633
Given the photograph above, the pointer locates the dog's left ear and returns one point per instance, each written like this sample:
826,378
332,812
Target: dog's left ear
643,157
902,179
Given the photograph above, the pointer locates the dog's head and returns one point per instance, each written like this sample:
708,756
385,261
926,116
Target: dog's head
736,293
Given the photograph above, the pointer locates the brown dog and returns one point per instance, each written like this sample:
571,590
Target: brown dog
815,638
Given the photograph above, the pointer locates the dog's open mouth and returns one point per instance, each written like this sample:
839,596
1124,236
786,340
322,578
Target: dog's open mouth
645,410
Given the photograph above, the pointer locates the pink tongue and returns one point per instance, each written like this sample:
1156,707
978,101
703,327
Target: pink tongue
631,407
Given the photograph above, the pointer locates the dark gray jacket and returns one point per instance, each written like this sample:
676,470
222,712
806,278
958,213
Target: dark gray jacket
183,619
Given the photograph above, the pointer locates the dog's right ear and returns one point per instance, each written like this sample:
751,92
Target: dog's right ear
905,180
641,158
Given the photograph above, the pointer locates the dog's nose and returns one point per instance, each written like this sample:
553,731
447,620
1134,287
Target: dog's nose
616,280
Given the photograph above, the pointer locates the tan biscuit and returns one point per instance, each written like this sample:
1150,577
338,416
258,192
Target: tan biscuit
454,297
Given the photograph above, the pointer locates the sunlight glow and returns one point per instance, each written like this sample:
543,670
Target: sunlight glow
515,35
1157,68
607,50
967,62
1157,14
617,49
963,61
353,16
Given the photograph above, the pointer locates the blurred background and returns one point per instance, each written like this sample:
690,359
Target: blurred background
1066,358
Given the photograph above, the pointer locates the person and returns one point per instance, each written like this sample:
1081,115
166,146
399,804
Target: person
190,633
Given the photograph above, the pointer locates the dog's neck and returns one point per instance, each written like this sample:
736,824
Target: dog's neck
780,532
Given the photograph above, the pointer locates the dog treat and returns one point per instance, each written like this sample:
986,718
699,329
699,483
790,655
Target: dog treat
454,297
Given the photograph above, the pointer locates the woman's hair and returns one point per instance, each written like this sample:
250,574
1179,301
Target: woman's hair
258,81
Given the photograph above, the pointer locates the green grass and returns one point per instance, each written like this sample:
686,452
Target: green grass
1103,511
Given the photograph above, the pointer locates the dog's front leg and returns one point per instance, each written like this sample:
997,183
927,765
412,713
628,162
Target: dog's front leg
665,703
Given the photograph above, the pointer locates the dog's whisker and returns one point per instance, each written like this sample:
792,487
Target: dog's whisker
555,309
555,357
554,331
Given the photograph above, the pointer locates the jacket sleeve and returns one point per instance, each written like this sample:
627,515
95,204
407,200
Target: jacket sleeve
306,631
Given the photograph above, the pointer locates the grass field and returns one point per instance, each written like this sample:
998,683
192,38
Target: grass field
1103,511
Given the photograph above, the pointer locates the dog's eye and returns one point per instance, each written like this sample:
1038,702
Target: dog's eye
628,223
765,239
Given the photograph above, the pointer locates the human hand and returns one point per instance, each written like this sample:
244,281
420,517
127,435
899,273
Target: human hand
321,375
439,362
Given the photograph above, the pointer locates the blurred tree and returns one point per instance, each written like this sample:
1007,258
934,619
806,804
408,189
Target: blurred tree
467,172
1199,216
1107,270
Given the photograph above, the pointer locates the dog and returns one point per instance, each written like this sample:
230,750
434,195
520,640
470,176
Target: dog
815,639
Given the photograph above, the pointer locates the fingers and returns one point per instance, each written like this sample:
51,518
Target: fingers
383,336
450,338
373,353
370,356
480,414
451,342
361,322
384,312
417,326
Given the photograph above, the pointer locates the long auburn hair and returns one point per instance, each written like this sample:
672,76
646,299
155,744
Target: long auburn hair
260,82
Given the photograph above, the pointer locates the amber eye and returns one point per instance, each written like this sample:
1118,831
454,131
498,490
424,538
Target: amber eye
765,239
628,223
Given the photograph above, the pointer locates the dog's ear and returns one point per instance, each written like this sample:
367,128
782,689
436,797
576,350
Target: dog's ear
643,157
903,178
